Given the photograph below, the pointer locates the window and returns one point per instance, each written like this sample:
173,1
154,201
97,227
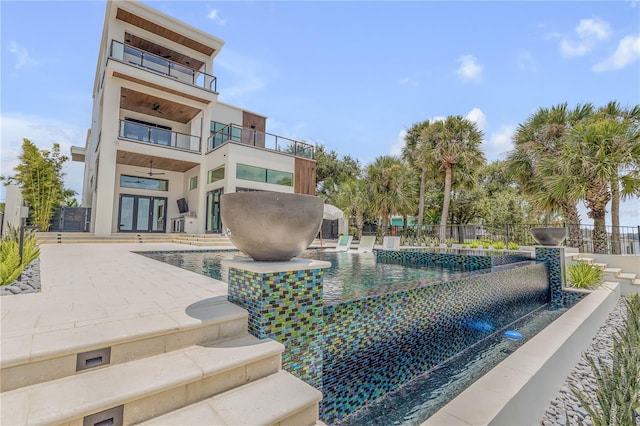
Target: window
144,183
259,174
279,178
193,183
215,175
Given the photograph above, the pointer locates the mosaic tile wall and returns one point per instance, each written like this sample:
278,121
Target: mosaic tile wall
553,257
571,297
287,307
445,260
363,338
462,260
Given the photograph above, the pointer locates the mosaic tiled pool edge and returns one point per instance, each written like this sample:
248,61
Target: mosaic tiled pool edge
286,307
349,350
362,338
463,261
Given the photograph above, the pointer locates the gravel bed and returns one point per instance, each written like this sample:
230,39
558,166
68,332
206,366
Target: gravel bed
565,403
30,282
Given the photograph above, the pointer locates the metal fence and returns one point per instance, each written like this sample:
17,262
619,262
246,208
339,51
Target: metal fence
616,240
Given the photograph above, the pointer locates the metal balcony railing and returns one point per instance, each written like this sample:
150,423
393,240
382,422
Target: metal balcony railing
157,64
158,136
249,136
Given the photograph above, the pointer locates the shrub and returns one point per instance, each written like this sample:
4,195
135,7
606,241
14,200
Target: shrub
474,244
486,244
583,275
10,265
499,245
617,400
513,245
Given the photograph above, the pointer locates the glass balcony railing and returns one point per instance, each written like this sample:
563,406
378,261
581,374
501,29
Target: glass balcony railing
235,133
158,136
134,56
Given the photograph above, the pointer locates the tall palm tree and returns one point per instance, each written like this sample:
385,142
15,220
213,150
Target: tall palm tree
536,154
353,199
626,149
417,153
590,165
391,188
455,145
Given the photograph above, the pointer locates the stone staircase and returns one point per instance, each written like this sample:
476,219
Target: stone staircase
142,372
613,268
209,240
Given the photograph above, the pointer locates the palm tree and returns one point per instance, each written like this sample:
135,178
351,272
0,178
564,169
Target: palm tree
417,152
353,199
455,145
592,161
391,188
538,144
626,149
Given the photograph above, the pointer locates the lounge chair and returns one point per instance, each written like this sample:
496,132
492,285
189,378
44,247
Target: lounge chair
391,243
366,244
344,243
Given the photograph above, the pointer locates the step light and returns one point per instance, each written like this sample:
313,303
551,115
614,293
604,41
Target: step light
92,359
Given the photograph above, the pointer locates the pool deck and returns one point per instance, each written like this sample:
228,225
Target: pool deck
106,285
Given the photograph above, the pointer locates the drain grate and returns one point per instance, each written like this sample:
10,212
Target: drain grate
91,359
111,417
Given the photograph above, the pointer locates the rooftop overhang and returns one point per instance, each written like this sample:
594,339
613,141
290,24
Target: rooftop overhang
78,153
161,163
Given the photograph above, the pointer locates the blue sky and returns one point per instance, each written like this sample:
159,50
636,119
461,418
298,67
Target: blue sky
350,75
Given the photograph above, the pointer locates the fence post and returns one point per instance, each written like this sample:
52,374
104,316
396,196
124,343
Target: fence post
507,236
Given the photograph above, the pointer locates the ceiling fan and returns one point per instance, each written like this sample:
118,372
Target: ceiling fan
156,108
151,172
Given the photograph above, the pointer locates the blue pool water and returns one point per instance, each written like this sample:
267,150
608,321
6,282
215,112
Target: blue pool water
351,275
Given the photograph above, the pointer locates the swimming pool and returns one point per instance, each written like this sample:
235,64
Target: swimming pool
351,275
371,340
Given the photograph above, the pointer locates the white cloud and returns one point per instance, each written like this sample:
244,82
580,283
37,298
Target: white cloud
596,28
477,116
469,68
407,81
500,142
525,61
43,133
628,51
23,59
569,48
246,75
589,33
215,17
398,144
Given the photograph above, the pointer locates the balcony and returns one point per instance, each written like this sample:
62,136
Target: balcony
158,136
159,65
253,137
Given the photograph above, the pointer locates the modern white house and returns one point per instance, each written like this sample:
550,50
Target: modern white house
161,148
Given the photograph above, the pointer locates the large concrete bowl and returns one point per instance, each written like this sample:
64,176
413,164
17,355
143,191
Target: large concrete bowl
549,236
271,226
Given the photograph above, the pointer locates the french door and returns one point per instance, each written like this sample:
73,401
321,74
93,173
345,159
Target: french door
214,223
139,213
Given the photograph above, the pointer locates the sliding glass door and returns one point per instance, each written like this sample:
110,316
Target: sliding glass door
139,213
214,224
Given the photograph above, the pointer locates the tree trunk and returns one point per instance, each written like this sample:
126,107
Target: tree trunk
359,223
615,216
572,221
423,176
597,197
448,178
385,221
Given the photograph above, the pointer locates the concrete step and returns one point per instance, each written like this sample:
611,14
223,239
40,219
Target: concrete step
149,387
60,353
279,399
612,272
636,281
581,258
602,266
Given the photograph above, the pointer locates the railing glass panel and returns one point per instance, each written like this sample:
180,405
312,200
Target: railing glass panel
158,136
134,56
260,139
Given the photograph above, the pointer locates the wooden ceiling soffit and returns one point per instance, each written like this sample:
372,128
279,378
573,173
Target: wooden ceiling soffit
163,88
163,52
160,163
154,28
155,106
